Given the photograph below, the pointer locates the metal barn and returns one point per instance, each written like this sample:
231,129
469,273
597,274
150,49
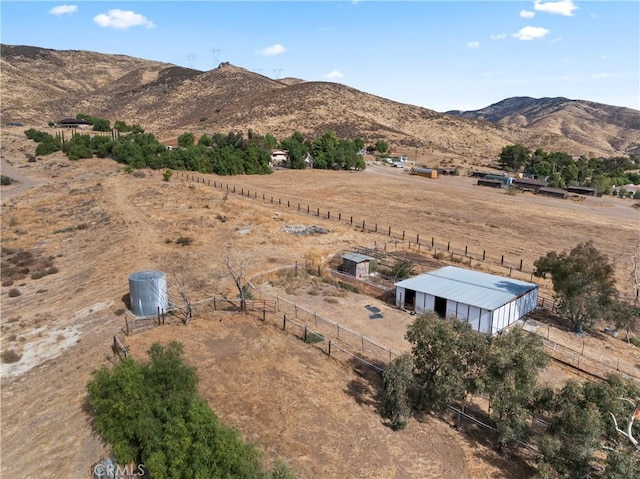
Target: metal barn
489,303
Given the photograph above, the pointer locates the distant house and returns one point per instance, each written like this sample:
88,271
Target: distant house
72,123
279,158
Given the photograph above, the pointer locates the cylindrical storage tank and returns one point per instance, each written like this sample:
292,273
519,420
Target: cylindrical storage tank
148,291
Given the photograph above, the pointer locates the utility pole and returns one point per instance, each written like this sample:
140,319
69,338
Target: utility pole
216,55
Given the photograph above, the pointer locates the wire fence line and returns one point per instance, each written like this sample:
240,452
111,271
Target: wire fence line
398,235
353,340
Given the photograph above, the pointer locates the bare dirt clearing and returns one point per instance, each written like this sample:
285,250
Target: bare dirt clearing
100,225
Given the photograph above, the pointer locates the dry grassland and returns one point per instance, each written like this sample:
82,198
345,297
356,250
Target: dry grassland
100,225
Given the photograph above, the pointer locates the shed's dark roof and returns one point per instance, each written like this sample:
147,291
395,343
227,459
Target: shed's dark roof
552,191
581,188
75,121
528,181
357,257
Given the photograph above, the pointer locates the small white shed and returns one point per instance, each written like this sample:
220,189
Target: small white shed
489,303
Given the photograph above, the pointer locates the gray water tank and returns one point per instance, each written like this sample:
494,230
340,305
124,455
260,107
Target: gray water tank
148,291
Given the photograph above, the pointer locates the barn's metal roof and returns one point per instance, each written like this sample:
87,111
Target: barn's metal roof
357,257
483,290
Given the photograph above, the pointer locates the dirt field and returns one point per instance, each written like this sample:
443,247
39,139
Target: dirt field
98,225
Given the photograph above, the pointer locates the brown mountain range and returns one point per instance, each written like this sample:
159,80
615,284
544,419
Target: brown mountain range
41,85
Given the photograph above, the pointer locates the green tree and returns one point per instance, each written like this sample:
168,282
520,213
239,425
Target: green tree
449,360
402,269
514,362
297,150
623,316
149,413
186,140
574,433
398,378
514,157
583,283
382,147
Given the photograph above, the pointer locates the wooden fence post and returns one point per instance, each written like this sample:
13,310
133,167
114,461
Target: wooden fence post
329,351
305,333
284,322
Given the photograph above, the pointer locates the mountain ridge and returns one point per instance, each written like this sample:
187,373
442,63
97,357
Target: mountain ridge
41,85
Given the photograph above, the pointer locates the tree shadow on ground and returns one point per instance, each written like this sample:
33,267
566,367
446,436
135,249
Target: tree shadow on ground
484,441
368,388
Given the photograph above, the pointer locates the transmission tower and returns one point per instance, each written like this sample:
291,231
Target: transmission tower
191,58
277,72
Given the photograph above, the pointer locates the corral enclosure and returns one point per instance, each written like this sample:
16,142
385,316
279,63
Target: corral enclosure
101,225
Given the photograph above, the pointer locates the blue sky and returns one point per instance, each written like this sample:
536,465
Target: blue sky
441,55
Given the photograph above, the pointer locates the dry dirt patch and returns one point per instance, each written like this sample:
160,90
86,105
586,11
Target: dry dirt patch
274,388
128,222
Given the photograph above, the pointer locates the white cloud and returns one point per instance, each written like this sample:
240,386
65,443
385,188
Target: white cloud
122,19
501,36
531,33
64,10
563,7
527,14
473,44
604,75
334,75
272,50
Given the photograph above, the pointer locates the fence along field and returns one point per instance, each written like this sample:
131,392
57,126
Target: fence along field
369,356
396,237
344,343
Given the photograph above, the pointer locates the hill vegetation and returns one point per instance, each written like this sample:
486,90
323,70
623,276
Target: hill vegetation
41,85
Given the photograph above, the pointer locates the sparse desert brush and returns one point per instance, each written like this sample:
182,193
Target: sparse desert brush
331,300
10,356
38,274
184,241
14,293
